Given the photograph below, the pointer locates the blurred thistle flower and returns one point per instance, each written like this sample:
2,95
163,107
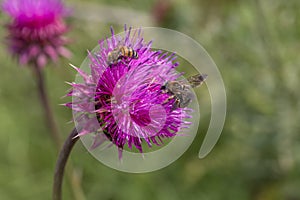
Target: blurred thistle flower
36,32
123,102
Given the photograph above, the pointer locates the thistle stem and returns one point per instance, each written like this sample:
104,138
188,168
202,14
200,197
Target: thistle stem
61,163
46,106
72,175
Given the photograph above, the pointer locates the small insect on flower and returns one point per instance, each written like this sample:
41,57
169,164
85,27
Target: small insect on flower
196,80
124,104
117,54
181,92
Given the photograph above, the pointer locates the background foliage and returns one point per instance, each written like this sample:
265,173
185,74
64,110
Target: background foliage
255,44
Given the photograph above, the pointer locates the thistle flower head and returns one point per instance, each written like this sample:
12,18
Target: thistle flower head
123,102
36,31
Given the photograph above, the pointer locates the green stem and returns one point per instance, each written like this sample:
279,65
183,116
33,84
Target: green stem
73,178
61,163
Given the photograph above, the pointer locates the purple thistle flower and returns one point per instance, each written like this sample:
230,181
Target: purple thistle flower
123,102
36,32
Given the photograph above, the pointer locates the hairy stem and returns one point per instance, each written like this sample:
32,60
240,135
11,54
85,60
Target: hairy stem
61,163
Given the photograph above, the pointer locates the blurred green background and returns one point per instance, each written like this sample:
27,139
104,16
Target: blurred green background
255,44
